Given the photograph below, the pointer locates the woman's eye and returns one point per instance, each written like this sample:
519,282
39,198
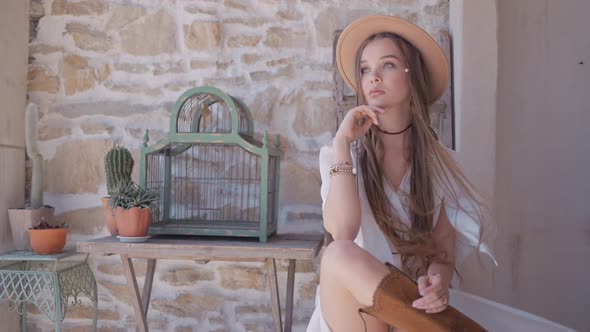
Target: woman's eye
388,65
364,70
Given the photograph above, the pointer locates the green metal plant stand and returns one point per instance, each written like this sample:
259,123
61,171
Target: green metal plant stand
48,282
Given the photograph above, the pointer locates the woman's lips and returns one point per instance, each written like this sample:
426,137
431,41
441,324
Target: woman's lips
376,92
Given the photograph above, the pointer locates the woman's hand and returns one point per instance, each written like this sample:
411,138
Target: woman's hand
435,294
351,127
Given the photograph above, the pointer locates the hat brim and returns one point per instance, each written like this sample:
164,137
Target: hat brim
358,31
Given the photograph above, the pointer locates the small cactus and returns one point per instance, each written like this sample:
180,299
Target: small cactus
34,156
146,138
118,165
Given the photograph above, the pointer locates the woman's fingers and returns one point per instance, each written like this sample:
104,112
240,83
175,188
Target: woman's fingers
376,109
365,111
422,284
444,300
358,121
431,300
437,309
366,125
433,294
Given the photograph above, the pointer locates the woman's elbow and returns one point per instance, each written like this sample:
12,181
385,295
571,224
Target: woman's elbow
342,232
344,235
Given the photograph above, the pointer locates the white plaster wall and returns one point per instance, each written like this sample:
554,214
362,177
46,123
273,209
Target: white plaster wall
473,26
525,145
543,157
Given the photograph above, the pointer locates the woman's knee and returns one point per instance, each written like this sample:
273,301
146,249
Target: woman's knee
340,252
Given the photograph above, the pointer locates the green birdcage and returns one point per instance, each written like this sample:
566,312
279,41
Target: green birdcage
214,177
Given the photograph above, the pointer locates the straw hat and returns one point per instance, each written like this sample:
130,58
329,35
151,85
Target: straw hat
358,31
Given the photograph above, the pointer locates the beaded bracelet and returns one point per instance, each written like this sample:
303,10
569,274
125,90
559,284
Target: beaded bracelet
345,168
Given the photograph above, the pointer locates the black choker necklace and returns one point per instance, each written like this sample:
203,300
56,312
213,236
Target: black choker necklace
394,133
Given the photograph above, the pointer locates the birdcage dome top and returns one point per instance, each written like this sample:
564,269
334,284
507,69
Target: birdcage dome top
209,110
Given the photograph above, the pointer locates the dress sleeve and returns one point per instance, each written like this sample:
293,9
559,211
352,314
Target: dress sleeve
465,215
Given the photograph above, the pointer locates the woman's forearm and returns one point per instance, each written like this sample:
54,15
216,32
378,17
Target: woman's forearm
342,208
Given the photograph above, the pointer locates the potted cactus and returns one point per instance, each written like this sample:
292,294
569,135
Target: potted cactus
133,208
118,165
22,219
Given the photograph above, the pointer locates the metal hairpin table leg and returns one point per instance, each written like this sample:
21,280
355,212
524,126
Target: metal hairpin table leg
147,285
140,315
275,303
289,299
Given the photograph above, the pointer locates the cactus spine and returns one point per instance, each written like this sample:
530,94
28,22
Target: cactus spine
118,165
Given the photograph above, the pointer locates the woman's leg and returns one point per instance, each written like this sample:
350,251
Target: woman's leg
351,279
349,276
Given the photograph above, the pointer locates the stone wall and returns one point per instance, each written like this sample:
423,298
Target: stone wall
105,71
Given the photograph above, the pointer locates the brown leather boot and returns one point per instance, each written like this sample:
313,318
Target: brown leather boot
392,304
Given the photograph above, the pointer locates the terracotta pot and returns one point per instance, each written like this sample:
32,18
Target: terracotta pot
133,222
109,217
48,241
23,219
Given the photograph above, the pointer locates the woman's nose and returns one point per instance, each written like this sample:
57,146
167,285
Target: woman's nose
375,79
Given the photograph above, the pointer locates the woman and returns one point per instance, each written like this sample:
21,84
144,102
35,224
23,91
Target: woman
391,192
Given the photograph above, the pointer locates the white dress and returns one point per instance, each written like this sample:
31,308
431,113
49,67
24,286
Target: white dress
372,239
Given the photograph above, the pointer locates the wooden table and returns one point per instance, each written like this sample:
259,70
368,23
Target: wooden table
284,246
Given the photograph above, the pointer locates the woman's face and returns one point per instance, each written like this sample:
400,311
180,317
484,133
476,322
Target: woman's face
384,81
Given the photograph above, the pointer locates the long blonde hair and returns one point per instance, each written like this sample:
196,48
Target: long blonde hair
431,165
